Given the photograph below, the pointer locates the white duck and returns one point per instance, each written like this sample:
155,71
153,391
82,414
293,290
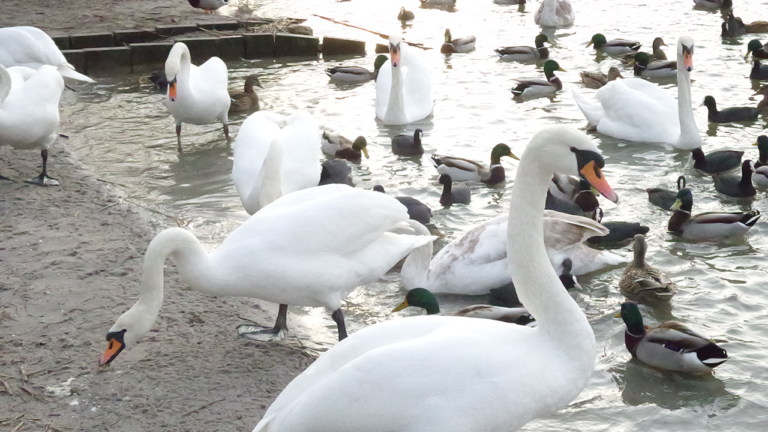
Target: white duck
477,262
554,13
196,95
460,372
637,110
403,88
274,156
32,47
29,113
309,248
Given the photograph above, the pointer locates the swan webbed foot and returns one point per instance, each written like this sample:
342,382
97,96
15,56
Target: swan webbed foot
5,178
338,316
44,180
260,333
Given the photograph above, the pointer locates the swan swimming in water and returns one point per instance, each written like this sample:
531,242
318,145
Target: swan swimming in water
403,88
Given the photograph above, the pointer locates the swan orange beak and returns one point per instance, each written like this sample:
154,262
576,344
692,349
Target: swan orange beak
401,306
595,177
113,349
172,91
394,52
688,61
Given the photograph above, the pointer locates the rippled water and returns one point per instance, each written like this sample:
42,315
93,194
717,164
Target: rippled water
128,138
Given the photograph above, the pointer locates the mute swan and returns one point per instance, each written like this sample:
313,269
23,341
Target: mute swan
644,282
246,101
554,13
707,226
636,110
32,47
403,88
274,156
476,263
20,75
208,5
728,115
670,346
309,248
460,371
196,95
29,114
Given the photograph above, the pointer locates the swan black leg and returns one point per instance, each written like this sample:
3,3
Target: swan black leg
178,136
43,179
339,318
276,333
226,132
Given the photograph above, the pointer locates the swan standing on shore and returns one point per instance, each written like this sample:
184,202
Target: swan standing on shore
438,373
29,113
637,110
275,155
32,47
309,248
403,87
196,95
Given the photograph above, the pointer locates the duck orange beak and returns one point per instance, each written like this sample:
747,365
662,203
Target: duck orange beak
595,177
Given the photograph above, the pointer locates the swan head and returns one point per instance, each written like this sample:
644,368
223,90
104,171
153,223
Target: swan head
131,327
685,52
173,65
395,43
420,297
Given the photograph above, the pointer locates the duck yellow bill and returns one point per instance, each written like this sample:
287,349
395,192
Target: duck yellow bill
365,152
618,315
589,44
512,155
172,91
754,143
676,205
747,56
595,177
561,69
113,349
401,306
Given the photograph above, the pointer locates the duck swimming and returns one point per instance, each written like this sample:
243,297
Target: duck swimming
665,198
734,185
539,87
466,170
525,53
710,225
615,46
728,115
643,282
596,80
356,74
246,101
461,45
717,161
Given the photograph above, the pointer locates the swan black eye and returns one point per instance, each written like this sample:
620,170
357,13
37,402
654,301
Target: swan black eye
583,157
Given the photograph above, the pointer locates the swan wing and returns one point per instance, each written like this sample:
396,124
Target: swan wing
565,230
250,150
417,86
301,153
209,83
19,48
383,88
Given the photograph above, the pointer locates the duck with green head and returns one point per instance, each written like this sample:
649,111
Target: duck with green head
659,69
525,53
461,45
760,177
423,298
614,47
333,144
356,74
462,170
539,87
756,49
671,346
710,225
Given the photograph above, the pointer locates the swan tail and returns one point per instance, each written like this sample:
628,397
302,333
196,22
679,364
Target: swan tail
68,71
592,109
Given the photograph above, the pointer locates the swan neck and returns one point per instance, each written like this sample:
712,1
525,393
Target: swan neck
271,174
396,105
5,84
416,267
689,132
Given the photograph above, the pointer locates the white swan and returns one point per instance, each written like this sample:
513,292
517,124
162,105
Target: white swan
477,262
403,88
32,47
196,95
20,75
637,110
274,156
554,13
309,248
29,113
438,373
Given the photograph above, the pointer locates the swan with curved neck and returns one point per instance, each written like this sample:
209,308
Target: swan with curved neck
449,373
637,110
403,88
196,95
288,253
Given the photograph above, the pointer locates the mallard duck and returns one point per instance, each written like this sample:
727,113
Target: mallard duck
729,115
554,13
32,48
658,53
404,86
665,198
335,171
445,356
29,114
466,170
539,87
438,2
457,193
614,47
671,346
408,145
763,105
507,295
596,80
644,283
461,45
334,144
208,5
356,74
417,210
717,161
618,232
736,186
759,72
657,69
247,100
756,27
756,49
713,4
309,260
405,15
422,298
196,95
760,177
707,226
525,53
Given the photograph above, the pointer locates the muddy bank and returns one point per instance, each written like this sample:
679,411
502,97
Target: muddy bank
70,260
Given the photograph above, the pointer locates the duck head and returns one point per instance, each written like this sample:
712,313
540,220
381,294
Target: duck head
630,313
499,151
420,297
550,67
598,40
361,145
540,39
754,45
684,200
